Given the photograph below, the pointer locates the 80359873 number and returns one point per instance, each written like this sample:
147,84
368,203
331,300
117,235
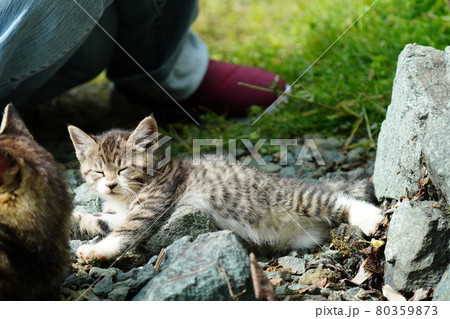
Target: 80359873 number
406,310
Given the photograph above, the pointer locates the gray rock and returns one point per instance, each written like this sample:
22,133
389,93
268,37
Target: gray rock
417,246
290,159
343,295
288,171
297,265
356,173
285,275
131,274
103,287
420,96
442,291
332,155
312,275
185,221
73,178
268,158
98,272
270,168
119,293
437,154
283,289
144,275
295,287
214,266
86,201
327,257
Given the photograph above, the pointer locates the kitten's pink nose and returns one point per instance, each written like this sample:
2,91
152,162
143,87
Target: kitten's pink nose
111,186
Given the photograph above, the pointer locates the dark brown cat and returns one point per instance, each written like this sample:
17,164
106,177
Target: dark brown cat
35,208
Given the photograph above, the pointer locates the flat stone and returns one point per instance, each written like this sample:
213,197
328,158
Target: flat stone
214,266
297,265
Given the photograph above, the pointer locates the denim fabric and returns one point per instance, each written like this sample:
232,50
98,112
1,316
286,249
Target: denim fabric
49,46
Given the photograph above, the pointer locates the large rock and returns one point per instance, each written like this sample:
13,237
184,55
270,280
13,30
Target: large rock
214,266
417,246
442,291
185,221
437,154
420,97
85,200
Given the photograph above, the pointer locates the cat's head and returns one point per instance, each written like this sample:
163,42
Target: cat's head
117,163
14,137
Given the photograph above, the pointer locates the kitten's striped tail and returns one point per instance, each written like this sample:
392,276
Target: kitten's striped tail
359,189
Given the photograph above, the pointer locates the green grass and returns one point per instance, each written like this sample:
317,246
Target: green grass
347,91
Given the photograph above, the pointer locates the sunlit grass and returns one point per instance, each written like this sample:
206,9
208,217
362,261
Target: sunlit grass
347,91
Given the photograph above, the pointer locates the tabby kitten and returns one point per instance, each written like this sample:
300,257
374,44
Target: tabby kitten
35,210
264,210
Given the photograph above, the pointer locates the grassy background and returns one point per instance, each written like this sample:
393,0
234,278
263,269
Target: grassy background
347,91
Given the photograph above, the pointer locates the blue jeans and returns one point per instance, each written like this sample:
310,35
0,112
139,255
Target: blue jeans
47,47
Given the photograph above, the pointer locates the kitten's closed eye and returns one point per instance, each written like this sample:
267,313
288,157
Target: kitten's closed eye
98,173
122,170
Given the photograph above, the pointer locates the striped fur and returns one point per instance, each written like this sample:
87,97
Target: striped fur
262,209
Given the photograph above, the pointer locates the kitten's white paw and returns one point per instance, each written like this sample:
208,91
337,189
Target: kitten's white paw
106,249
366,216
89,253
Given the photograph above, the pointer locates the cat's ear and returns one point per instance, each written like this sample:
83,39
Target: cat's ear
81,141
145,135
12,124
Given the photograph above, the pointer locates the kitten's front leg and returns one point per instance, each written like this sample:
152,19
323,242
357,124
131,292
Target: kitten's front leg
87,226
106,249
144,220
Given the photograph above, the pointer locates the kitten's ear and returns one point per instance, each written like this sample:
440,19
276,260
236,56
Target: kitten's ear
145,135
12,124
81,141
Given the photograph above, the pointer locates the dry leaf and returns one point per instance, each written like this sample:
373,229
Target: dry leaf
261,285
391,294
276,282
362,275
159,260
420,294
320,282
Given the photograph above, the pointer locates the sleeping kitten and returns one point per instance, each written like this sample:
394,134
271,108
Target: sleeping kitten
35,209
264,210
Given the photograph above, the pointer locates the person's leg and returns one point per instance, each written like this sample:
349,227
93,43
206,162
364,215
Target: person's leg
37,37
168,60
172,63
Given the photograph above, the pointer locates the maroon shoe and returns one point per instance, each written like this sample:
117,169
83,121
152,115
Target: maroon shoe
220,90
